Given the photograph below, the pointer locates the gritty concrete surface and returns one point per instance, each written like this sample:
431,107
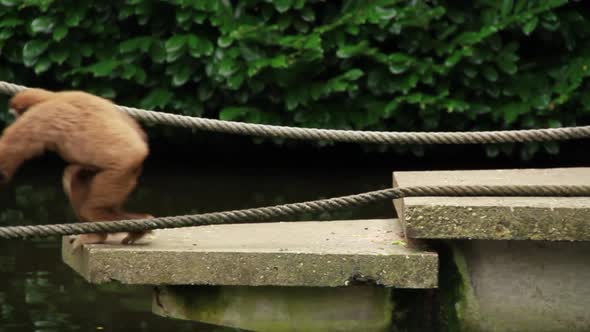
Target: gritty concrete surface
524,286
280,309
321,254
496,218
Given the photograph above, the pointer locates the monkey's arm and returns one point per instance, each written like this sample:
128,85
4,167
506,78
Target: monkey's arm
30,135
17,146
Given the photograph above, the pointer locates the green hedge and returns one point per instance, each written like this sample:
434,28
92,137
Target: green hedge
373,65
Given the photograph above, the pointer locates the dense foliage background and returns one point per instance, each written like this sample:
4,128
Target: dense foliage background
373,65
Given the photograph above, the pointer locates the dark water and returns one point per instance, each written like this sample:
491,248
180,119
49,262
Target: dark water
40,293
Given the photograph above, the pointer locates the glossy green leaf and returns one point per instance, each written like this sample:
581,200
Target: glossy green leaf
157,98
183,16
86,50
204,92
279,62
234,113
10,22
507,66
42,24
453,59
103,68
10,3
282,5
468,38
470,71
227,67
60,33
490,73
59,55
181,77
506,7
129,71
224,41
140,75
386,13
348,51
158,52
512,111
235,81
74,16
353,74
175,44
308,14
34,48
540,100
530,26
138,43
42,65
199,46
6,34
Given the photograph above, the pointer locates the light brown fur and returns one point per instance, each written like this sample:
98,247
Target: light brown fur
105,147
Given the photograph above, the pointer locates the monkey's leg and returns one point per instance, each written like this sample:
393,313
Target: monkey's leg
76,182
108,192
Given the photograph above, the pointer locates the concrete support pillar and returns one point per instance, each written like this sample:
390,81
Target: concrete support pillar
279,309
523,286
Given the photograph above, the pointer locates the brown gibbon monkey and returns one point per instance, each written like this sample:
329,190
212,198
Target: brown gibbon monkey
105,148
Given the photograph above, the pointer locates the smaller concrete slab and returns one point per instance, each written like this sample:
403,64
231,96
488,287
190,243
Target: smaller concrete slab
313,254
496,218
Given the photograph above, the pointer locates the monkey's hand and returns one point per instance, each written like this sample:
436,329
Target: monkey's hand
78,241
134,237
72,239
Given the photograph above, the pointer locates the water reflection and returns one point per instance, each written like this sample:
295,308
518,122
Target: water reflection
40,293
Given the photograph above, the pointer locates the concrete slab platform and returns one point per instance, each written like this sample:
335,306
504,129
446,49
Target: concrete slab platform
312,254
496,218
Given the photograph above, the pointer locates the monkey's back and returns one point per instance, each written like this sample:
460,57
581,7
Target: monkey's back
85,129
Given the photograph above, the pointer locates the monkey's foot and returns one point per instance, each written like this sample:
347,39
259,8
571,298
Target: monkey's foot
82,239
131,215
134,237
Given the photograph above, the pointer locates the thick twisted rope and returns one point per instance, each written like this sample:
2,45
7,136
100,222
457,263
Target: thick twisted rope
272,213
376,137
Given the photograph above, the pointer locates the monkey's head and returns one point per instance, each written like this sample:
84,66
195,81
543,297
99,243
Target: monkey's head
24,100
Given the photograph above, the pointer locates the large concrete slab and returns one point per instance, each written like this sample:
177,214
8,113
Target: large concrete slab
314,254
496,218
